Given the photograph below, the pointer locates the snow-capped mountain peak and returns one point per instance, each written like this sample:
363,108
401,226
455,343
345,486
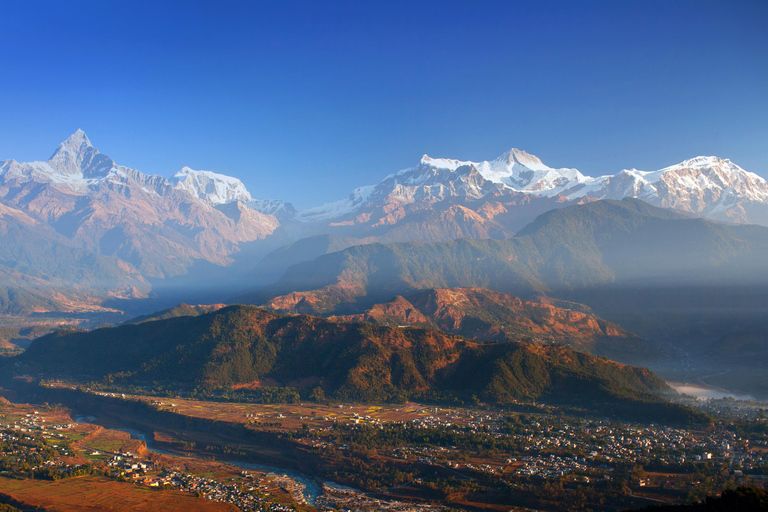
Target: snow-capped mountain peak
706,185
517,156
75,144
716,164
77,158
714,177
517,170
75,164
210,186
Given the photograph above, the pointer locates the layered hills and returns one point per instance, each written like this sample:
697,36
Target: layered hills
694,288
348,360
605,243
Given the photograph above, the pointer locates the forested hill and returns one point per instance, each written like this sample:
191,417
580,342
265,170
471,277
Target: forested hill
349,361
177,311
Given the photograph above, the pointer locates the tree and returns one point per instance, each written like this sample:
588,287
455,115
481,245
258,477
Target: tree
318,395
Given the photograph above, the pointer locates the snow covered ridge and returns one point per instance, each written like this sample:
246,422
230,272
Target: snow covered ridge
522,172
710,186
359,198
78,166
210,186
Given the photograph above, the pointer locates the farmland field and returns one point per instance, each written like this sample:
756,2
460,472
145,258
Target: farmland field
101,494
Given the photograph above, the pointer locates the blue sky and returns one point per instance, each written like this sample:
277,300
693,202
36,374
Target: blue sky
305,100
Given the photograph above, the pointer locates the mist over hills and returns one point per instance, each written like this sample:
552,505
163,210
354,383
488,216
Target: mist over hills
692,287
606,243
42,270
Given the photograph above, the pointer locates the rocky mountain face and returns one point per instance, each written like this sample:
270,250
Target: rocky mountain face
146,226
482,314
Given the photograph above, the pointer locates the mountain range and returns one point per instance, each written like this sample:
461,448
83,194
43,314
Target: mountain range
158,226
495,191
502,249
126,232
110,229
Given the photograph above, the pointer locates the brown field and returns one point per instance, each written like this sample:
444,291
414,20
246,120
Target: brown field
292,416
10,412
109,441
92,493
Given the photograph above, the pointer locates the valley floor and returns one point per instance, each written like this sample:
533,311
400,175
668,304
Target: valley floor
212,455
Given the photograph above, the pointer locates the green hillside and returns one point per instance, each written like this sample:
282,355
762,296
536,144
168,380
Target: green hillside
182,309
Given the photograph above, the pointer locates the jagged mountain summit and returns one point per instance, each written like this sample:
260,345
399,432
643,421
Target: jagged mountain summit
709,186
147,225
75,165
79,166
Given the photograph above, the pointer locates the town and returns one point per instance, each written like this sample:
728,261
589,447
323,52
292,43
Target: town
416,454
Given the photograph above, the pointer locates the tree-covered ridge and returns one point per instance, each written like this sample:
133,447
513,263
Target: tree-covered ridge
182,309
245,345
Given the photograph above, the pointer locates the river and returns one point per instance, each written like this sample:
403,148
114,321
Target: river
313,488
